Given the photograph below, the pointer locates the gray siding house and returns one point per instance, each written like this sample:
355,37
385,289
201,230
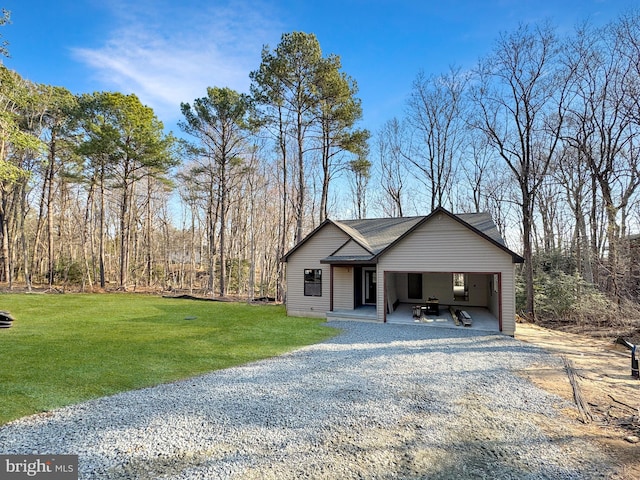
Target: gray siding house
379,264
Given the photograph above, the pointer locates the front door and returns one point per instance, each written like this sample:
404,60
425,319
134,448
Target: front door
369,286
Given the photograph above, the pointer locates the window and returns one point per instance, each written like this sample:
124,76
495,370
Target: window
313,282
415,285
460,287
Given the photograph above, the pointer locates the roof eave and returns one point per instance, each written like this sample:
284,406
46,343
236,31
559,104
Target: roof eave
514,256
349,234
286,256
327,261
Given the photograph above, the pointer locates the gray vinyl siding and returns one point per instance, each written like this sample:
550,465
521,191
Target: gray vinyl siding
444,245
322,244
343,288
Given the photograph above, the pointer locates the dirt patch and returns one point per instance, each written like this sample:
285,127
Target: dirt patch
603,372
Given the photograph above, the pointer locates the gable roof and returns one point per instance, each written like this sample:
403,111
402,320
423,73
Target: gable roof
380,234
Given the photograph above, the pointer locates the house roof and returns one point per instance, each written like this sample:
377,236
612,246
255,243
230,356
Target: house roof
376,234
380,234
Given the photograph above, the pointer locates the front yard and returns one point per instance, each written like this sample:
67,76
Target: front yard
64,349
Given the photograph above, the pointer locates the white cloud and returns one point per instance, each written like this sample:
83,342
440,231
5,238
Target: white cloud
168,55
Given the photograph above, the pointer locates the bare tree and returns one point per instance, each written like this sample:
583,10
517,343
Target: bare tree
477,168
391,148
521,99
627,32
602,128
437,115
572,174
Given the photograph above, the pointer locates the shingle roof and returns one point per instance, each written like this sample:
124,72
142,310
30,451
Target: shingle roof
377,234
484,223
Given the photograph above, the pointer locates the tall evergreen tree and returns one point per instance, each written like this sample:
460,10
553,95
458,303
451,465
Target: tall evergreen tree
220,121
127,141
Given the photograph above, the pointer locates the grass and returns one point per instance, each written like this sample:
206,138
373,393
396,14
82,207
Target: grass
63,349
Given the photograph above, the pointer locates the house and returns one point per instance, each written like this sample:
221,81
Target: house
379,265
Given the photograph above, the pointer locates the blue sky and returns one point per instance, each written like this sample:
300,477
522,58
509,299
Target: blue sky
168,52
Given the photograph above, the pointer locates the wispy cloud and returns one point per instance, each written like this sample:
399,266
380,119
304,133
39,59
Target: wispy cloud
167,54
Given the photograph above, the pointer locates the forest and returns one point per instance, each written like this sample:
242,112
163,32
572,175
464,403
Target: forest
543,133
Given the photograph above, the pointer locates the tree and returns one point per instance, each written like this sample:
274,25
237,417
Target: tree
361,170
391,146
220,121
4,19
572,173
602,129
477,168
627,32
125,142
521,100
58,105
437,115
15,96
338,111
286,84
95,145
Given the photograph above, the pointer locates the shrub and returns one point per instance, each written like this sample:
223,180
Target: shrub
68,272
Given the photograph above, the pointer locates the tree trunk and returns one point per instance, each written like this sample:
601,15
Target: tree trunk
124,228
282,244
50,178
149,253
324,198
23,237
87,234
101,228
223,225
527,222
301,185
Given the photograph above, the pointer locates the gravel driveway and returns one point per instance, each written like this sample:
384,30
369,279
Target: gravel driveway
377,401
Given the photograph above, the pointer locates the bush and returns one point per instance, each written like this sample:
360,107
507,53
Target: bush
69,272
557,294
570,299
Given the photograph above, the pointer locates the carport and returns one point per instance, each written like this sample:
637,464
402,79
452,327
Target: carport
476,293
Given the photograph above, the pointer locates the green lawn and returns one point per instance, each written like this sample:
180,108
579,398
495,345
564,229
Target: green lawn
63,349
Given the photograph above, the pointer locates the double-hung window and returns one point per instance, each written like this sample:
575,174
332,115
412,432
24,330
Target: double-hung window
313,282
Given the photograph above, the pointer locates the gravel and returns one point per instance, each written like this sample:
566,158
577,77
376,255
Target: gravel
377,401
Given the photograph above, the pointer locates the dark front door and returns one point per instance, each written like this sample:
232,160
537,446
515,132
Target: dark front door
369,281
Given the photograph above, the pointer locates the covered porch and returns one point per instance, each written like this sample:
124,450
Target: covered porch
361,292
481,318
476,293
